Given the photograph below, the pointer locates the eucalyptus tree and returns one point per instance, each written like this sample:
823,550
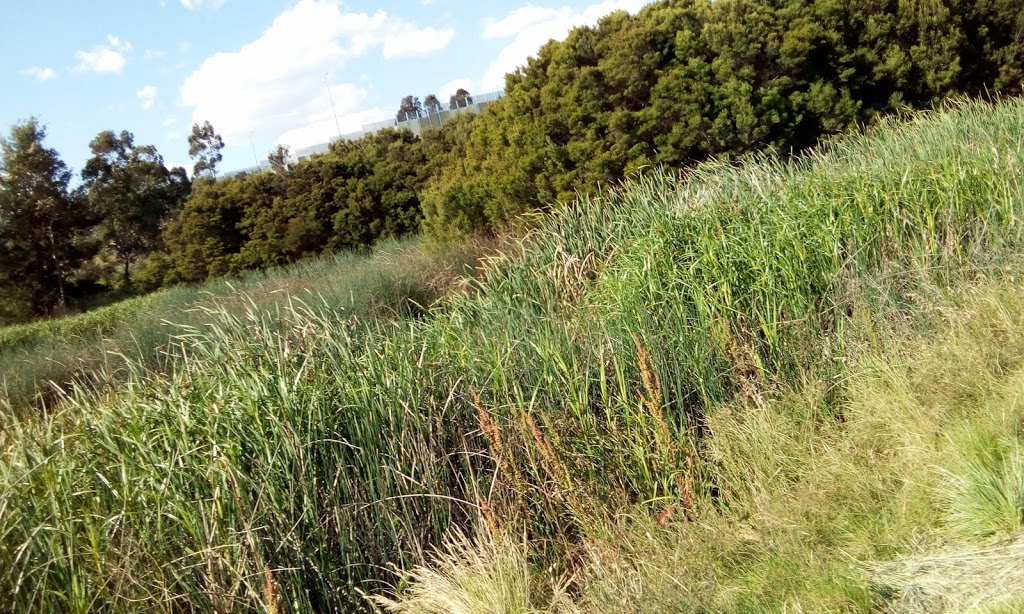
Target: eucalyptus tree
131,194
41,225
204,146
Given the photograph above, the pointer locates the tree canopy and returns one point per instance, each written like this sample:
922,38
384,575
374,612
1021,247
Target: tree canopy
204,146
687,80
41,225
349,198
410,108
431,104
460,98
131,194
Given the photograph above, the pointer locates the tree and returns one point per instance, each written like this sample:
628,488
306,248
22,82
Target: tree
204,240
278,159
40,225
431,104
131,194
460,98
204,146
411,108
682,81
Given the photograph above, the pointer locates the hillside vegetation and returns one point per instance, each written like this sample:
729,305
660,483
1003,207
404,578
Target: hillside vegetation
678,83
773,386
41,361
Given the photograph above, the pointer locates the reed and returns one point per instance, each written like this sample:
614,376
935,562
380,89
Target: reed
337,450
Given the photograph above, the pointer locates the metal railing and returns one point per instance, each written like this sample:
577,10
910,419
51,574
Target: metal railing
440,107
432,114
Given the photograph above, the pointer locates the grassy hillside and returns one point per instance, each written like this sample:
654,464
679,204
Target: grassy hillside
39,362
728,391
897,488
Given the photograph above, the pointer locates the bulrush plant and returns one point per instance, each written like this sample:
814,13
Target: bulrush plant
341,453
42,360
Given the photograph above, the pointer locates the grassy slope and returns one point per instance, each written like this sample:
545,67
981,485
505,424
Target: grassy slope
40,359
910,503
684,350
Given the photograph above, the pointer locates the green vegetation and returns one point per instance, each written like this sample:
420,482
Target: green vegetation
132,195
680,82
911,502
40,361
688,80
704,392
41,226
359,193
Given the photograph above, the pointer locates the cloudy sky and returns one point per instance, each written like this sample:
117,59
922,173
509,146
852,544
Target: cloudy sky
261,71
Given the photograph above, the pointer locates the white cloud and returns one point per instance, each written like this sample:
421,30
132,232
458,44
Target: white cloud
153,54
195,5
39,73
109,58
117,43
276,84
320,126
530,27
170,121
518,20
147,96
404,39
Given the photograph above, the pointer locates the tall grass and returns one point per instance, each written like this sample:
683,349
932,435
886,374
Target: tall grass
294,459
887,509
41,360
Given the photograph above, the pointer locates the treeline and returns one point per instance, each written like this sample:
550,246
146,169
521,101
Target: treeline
61,247
349,198
680,82
686,80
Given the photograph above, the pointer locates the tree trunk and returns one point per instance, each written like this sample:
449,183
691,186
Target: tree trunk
57,269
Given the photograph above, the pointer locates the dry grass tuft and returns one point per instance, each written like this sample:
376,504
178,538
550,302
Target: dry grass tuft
476,576
269,591
962,580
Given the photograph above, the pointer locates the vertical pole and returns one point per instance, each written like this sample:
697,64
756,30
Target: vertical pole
254,157
333,109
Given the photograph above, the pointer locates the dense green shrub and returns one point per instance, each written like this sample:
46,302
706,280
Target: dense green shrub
357,194
687,80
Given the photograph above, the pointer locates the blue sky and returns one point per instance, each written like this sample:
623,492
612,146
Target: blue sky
260,71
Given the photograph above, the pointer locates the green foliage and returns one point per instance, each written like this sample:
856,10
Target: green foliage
410,108
355,195
431,104
460,98
204,147
131,194
41,226
682,82
576,392
278,159
205,238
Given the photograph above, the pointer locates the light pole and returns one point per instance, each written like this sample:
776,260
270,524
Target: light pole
254,157
333,110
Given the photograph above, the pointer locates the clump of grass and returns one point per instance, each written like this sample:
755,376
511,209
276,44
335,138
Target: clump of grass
469,576
978,579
